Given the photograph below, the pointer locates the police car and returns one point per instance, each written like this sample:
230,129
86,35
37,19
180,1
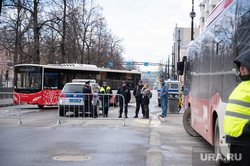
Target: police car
71,98
174,88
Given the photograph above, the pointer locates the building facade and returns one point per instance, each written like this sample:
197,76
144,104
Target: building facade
184,36
206,8
6,68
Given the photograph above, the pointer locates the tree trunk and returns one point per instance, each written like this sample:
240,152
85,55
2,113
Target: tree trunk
63,59
36,58
17,32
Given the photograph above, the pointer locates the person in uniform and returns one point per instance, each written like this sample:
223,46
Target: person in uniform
87,99
236,121
125,92
138,97
105,99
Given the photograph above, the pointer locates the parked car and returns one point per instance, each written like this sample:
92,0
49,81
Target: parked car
71,99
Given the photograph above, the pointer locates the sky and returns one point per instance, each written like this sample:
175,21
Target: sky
147,26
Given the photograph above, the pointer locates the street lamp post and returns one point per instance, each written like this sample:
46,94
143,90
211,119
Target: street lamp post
192,15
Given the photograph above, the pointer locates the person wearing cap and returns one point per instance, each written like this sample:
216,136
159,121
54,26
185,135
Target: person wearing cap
105,98
164,98
88,107
236,121
125,92
138,97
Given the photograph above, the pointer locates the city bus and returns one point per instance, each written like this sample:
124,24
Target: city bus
210,74
42,84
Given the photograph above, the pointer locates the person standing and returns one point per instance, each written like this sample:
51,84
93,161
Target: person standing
164,98
236,121
125,92
87,99
106,90
146,95
138,97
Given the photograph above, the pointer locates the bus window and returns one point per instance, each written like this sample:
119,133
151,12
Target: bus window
28,79
51,81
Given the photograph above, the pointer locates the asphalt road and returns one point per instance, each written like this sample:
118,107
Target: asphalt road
93,142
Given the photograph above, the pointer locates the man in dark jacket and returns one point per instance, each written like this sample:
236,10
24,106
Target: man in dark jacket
236,121
87,99
125,92
138,97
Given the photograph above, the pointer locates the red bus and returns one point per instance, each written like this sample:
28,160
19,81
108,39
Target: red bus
42,84
210,74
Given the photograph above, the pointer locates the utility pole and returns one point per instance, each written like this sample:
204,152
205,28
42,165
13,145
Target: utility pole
192,15
179,42
179,49
168,66
173,62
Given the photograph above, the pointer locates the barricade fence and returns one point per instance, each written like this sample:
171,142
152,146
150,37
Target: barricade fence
91,106
8,109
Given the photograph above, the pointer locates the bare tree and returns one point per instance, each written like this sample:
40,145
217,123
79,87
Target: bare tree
68,31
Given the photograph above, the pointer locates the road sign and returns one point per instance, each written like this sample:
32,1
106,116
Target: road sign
129,64
110,63
145,63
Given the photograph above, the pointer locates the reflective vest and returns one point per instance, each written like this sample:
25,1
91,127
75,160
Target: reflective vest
238,110
105,91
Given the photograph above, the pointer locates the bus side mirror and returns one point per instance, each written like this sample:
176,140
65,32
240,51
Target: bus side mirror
180,66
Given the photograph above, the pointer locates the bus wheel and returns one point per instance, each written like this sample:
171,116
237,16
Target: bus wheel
40,106
187,123
217,149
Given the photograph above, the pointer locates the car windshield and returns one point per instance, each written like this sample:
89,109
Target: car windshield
73,88
174,86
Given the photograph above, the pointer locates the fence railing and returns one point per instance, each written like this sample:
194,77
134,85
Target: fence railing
8,109
91,106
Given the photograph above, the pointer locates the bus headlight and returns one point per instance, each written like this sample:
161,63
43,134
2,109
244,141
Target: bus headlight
36,98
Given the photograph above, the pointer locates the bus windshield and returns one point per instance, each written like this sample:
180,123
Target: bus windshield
28,79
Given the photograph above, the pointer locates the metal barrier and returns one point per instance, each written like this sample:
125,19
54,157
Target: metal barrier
89,106
8,108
